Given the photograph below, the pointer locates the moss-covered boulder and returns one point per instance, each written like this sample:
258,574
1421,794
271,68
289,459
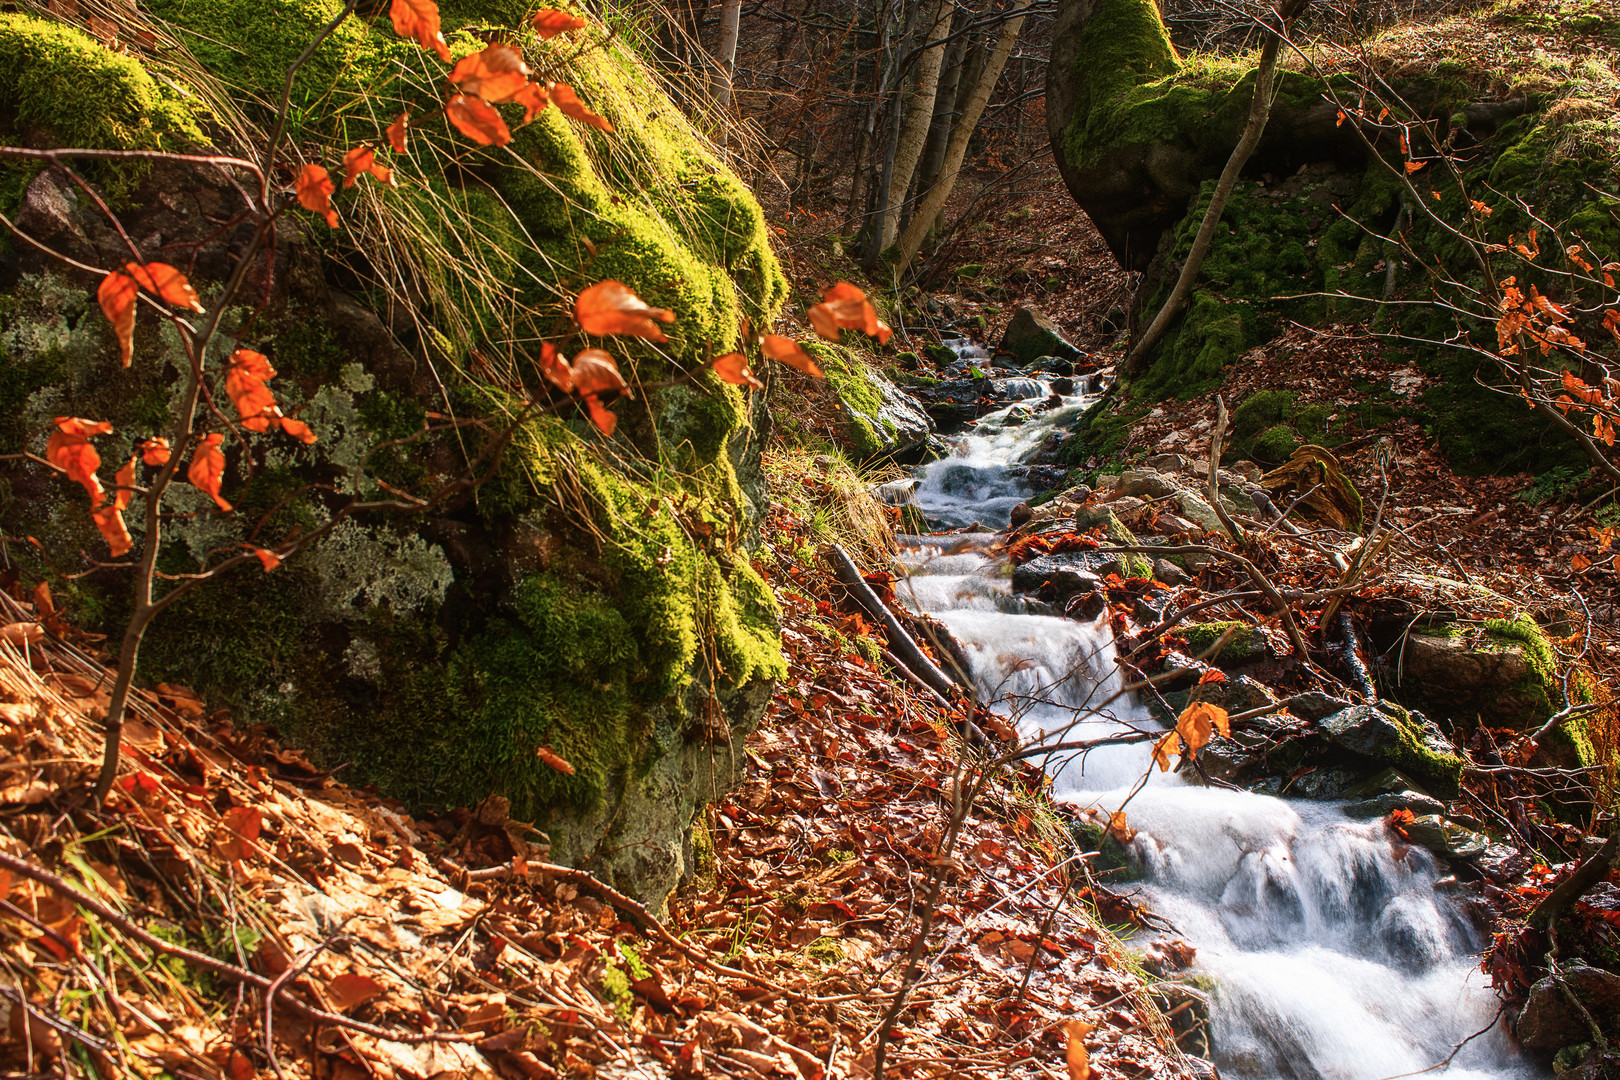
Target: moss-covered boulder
881,421
592,596
1395,738
1313,231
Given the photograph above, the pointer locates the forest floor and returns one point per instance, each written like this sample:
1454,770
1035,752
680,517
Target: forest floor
391,946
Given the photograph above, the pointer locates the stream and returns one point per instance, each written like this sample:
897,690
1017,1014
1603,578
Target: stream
1330,952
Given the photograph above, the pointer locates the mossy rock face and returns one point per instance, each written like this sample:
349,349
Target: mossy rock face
1503,673
592,597
1244,644
882,420
1141,133
1400,740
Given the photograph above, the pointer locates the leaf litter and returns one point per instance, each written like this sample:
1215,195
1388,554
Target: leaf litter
236,911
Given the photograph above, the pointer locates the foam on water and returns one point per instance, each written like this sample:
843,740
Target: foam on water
1332,955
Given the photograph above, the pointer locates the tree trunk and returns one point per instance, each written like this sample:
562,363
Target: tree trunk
726,54
934,200
918,117
939,131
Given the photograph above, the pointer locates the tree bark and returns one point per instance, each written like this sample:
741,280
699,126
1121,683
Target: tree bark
726,54
918,116
956,152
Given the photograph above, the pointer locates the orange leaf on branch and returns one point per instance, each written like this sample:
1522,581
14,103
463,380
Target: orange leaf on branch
1075,1058
595,372
569,103
551,22
116,295
601,415
791,353
419,19
844,306
477,119
154,451
207,468
496,73
1198,723
315,190
363,159
245,385
109,519
554,366
608,307
533,98
267,559
733,368
396,132
69,449
164,280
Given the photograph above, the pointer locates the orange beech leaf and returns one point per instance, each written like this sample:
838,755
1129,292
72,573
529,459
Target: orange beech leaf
165,281
495,74
554,366
555,760
363,159
477,119
315,189
1212,675
419,19
533,98
268,559
117,298
208,468
1119,828
569,103
297,429
1414,166
846,306
1579,562
124,484
1198,723
733,368
154,451
791,353
551,22
244,384
601,416
69,449
396,132
608,307
1074,1049
110,521
1168,743
595,372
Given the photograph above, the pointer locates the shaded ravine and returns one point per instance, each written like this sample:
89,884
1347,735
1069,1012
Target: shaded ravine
1330,952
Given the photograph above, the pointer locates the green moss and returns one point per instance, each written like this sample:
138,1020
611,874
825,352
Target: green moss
1440,773
1114,863
63,88
1246,644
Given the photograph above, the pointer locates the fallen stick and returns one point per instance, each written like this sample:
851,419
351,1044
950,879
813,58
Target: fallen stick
900,642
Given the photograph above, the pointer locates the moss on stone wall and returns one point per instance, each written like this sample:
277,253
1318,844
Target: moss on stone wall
64,88
593,596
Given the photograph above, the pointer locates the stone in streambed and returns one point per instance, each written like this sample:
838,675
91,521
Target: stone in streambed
1549,1020
1031,335
1399,739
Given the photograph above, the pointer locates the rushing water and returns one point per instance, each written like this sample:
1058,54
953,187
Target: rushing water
1331,952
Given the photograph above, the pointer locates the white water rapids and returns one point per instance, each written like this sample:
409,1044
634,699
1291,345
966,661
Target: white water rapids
1330,953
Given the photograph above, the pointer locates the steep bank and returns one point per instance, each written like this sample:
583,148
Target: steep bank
594,596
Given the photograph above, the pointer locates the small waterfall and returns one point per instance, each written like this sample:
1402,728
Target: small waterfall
1331,953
